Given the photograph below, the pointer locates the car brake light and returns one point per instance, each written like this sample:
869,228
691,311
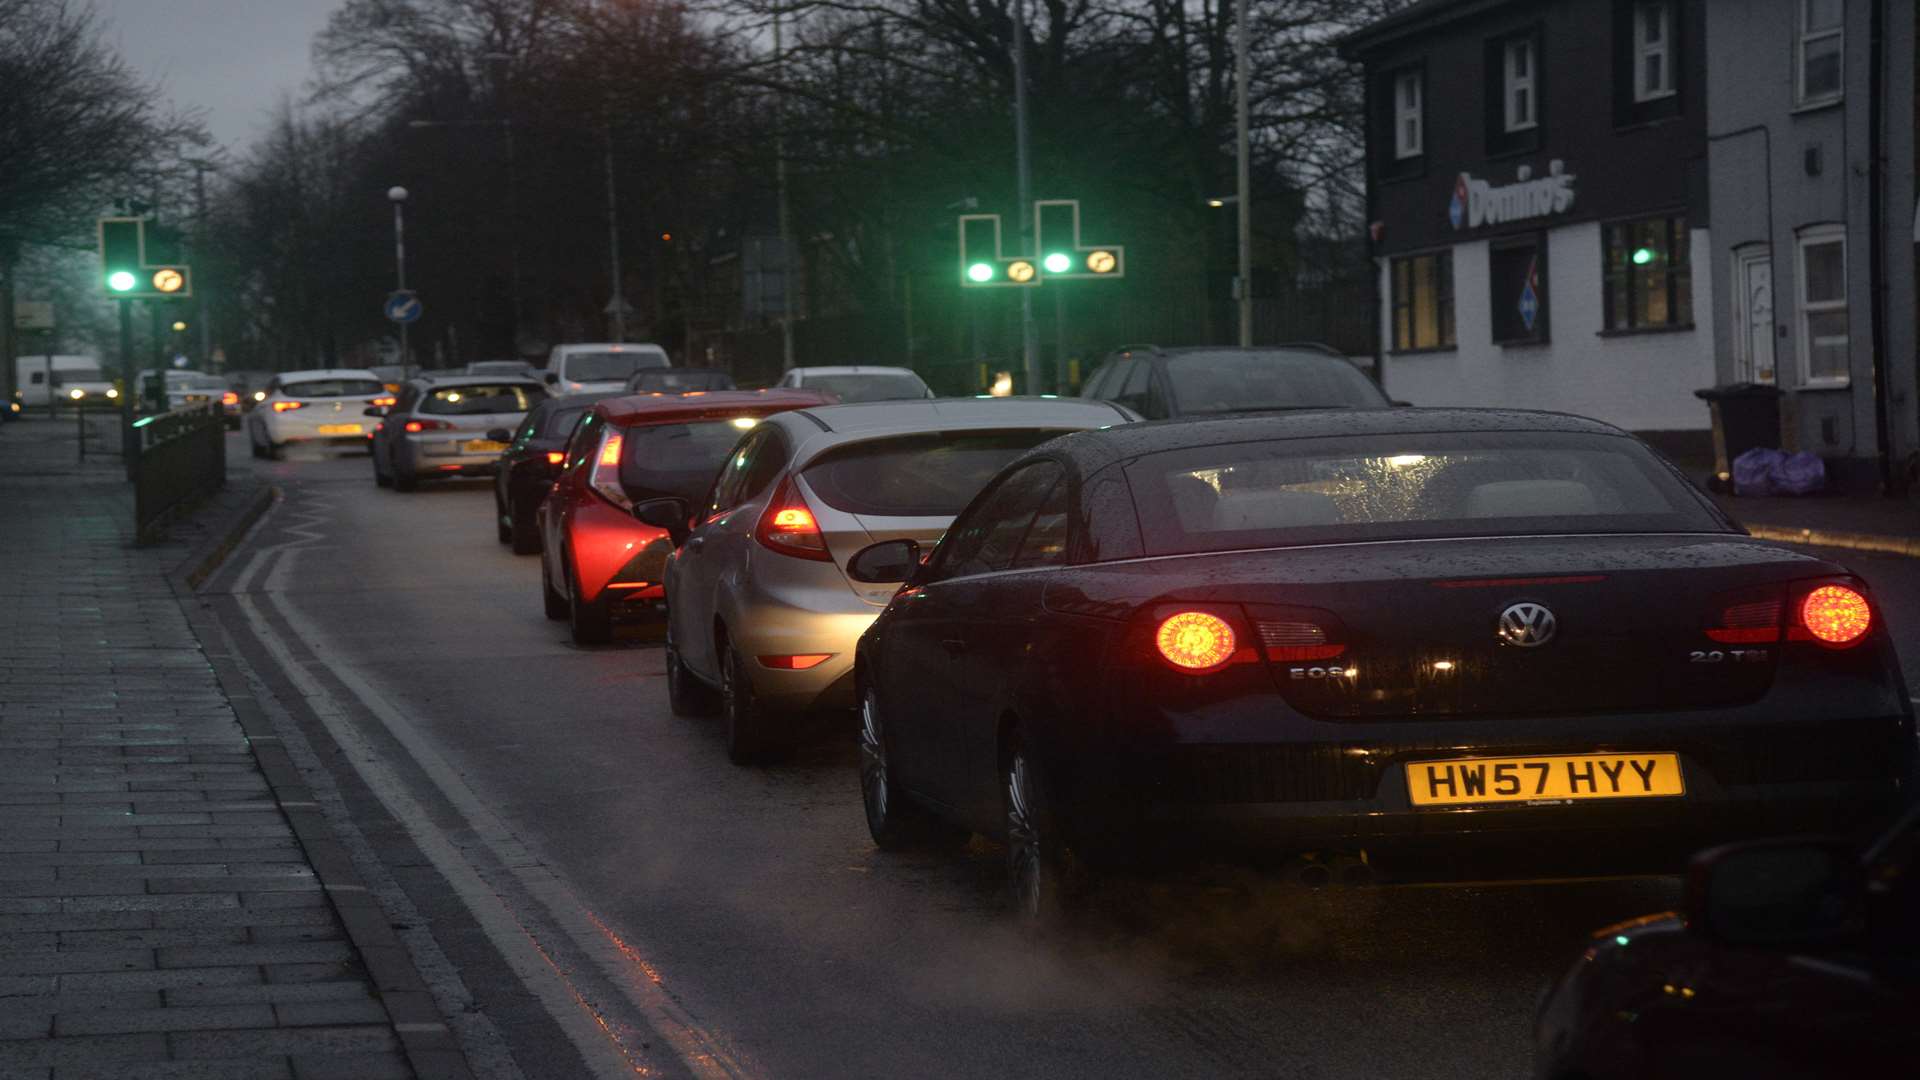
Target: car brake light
287,406
229,398
798,662
1833,615
1752,622
788,527
1287,641
382,402
605,478
555,457
414,427
1195,641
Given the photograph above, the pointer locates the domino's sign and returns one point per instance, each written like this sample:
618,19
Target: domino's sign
1478,202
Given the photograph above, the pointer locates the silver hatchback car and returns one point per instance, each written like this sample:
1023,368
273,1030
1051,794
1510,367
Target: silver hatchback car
762,618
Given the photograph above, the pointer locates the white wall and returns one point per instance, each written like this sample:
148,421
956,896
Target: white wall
1641,382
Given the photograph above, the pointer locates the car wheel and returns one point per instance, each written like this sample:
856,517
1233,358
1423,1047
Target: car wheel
404,481
380,478
501,532
590,623
555,600
685,692
749,729
894,821
525,534
1038,864
275,451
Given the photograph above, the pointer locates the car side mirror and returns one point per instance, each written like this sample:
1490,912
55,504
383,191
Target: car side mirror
499,434
551,378
374,410
1797,891
885,563
669,514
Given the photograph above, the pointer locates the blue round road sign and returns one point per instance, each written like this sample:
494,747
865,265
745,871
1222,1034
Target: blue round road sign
404,307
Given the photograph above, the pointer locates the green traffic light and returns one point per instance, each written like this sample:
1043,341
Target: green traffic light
980,272
1058,262
1642,256
121,281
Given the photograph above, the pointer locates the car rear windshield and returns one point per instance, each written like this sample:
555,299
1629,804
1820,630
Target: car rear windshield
1307,491
673,381
1226,381
607,366
319,388
924,475
677,460
479,399
878,387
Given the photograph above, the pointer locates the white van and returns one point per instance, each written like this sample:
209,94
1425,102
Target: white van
42,378
588,368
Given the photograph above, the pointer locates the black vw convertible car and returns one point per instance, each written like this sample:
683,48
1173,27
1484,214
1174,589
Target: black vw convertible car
1369,633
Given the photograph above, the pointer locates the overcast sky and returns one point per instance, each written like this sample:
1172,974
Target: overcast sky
234,59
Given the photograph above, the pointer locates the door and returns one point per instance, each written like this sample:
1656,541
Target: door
1753,334
717,546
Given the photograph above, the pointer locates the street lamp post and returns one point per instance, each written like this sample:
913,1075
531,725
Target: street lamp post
398,196
1245,173
1023,177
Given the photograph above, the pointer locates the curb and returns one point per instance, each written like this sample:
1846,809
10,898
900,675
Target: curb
1851,541
429,1044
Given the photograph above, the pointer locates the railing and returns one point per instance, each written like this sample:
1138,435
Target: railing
182,456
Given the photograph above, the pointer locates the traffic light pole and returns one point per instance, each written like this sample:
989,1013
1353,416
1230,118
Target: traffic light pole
1023,168
129,389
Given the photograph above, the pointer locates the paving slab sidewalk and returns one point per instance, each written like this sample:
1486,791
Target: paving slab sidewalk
158,914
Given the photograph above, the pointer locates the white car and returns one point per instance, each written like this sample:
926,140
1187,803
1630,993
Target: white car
324,406
859,382
590,368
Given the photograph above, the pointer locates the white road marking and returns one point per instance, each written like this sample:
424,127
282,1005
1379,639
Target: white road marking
537,968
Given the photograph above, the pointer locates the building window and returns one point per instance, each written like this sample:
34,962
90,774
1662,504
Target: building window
1818,49
1423,301
1649,283
1517,280
1652,51
1822,275
1407,133
1518,93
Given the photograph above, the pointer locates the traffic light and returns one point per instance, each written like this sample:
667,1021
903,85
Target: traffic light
1056,231
141,262
982,264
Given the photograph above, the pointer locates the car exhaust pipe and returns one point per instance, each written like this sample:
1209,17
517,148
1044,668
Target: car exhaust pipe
1307,872
1352,871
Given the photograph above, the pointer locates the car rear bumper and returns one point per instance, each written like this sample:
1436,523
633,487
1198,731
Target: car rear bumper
774,624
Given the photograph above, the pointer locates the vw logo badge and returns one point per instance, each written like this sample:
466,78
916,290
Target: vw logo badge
1527,625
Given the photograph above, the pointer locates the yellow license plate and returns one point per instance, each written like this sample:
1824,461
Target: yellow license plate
339,429
1550,779
484,446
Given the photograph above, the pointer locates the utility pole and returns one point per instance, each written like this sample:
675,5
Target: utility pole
787,291
398,196
200,168
1245,180
1029,335
619,302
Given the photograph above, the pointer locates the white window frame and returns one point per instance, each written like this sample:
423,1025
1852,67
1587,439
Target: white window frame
1805,37
1642,91
1404,113
1819,236
1512,84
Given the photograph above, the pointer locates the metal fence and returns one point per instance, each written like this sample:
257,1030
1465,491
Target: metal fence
181,456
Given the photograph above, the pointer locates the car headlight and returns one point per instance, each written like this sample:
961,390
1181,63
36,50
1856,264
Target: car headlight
76,393
113,392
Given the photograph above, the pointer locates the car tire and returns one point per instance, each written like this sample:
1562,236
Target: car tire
750,730
1042,877
589,623
685,692
556,601
525,534
500,530
404,481
895,822
275,451
380,479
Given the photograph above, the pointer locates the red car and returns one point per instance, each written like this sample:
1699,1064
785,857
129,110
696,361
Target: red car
596,558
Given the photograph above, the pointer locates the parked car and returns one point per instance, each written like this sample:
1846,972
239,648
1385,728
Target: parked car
598,559
531,463
859,382
1212,380
678,380
1390,635
446,426
325,406
591,368
1794,957
762,619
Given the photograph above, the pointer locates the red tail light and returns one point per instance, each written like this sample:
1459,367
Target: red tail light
1833,615
605,479
555,457
1195,641
787,526
798,662
414,427
229,398
1291,640
1748,622
288,406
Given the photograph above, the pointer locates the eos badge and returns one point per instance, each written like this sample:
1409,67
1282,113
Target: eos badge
1527,625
